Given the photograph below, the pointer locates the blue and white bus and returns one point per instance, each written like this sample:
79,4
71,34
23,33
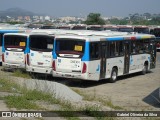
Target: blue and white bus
39,58
14,49
101,56
31,50
2,32
27,50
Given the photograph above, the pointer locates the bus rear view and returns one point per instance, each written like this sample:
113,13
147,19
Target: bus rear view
39,59
14,48
69,53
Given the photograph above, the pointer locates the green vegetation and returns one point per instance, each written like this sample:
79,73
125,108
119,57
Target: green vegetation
137,19
20,73
110,104
8,86
27,99
92,97
14,22
94,19
20,102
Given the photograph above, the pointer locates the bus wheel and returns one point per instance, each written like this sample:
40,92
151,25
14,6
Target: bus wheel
145,69
113,75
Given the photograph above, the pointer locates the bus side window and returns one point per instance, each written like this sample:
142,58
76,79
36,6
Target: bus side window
139,46
112,49
94,50
116,49
120,47
133,47
146,46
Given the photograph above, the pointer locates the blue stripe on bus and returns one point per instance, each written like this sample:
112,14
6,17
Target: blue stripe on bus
3,49
9,31
115,39
86,52
54,49
27,50
138,37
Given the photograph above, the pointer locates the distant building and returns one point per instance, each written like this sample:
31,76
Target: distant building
27,18
41,18
67,19
20,18
48,18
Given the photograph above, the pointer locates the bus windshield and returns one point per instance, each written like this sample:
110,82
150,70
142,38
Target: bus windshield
126,30
41,43
70,46
79,28
142,30
12,41
111,29
95,28
156,32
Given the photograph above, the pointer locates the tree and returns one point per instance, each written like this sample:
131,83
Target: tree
94,19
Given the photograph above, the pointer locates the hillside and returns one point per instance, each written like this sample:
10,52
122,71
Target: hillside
15,12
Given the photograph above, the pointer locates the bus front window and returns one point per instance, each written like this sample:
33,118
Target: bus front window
69,47
142,30
12,42
41,43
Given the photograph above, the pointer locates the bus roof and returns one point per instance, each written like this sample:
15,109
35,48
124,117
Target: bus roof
108,36
11,30
25,34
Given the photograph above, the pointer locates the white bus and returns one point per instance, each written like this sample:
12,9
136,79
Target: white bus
31,50
39,57
101,56
2,32
14,49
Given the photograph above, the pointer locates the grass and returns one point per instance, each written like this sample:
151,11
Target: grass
20,102
92,97
109,104
8,86
20,73
1,98
27,99
85,96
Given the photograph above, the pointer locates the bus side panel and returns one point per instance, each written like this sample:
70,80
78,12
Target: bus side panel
94,70
117,62
137,62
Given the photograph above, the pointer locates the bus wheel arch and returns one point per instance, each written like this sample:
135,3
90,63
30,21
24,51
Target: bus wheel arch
145,67
114,74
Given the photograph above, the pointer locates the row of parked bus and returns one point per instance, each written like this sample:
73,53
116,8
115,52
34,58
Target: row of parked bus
154,30
83,54
121,28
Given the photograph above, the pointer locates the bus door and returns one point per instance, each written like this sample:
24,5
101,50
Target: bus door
152,48
103,50
126,57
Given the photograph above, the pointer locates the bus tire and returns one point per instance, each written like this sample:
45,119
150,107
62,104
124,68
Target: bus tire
113,75
145,69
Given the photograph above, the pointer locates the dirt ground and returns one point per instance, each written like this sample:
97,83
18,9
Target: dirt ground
131,92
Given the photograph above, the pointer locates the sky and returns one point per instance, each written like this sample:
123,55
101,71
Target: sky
59,8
